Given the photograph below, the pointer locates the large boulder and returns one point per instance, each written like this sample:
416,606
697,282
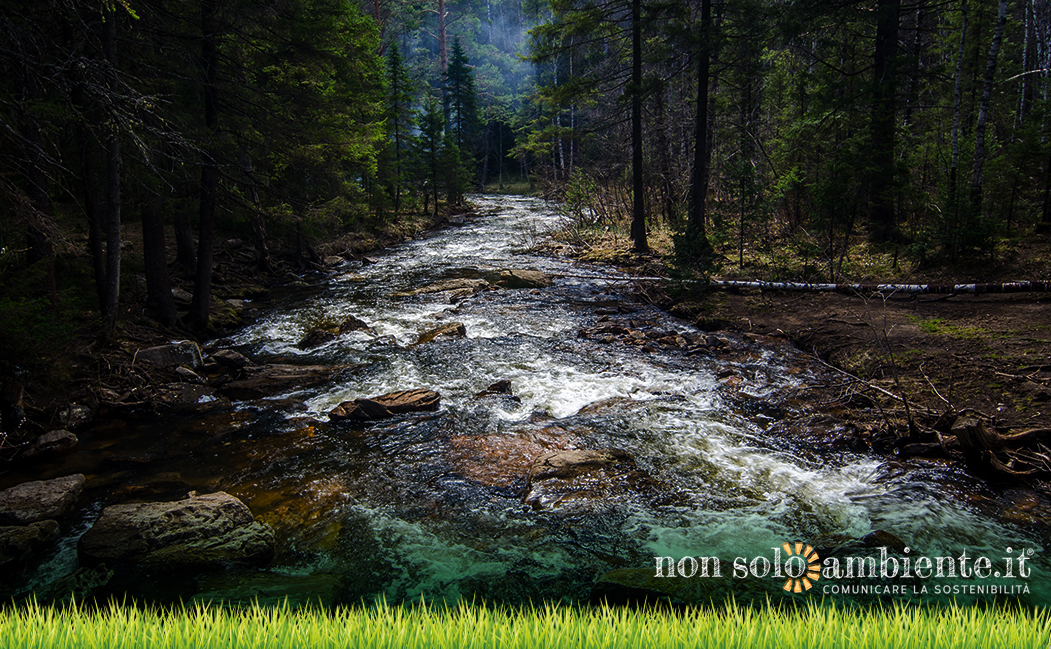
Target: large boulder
197,533
40,500
386,406
520,278
20,542
183,352
451,330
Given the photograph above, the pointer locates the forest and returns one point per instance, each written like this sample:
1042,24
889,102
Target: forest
921,124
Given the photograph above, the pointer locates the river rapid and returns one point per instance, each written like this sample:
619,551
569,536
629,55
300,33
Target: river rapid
430,505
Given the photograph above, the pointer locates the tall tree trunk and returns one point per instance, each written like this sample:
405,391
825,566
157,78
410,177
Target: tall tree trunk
154,255
202,286
983,112
638,218
39,247
663,156
696,232
92,211
443,56
882,226
954,203
185,255
113,202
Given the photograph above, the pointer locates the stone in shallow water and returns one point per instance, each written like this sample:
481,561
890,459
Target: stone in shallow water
316,338
386,406
39,500
267,381
451,330
503,460
197,533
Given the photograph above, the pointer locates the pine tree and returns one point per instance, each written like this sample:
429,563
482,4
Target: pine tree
400,117
430,147
462,99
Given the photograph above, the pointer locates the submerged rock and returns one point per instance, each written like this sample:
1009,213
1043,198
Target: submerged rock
386,406
451,330
40,500
456,284
197,533
583,478
189,397
504,459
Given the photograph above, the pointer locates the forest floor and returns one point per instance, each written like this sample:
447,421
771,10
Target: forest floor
932,359
51,357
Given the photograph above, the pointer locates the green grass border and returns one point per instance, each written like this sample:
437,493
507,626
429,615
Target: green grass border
479,627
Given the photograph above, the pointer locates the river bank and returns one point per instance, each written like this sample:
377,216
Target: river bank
904,369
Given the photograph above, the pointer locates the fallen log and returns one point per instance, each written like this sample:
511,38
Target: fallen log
977,288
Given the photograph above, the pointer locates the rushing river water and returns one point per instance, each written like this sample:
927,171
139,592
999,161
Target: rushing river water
431,505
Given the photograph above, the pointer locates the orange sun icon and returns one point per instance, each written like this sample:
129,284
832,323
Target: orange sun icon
797,583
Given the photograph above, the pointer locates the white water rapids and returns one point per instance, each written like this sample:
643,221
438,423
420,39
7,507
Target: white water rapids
739,491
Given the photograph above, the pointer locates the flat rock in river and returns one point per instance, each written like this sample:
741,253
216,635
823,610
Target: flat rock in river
521,278
386,406
197,533
39,500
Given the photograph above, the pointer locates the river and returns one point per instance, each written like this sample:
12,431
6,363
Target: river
431,505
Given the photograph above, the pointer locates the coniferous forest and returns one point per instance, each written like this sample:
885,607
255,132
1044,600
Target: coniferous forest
922,125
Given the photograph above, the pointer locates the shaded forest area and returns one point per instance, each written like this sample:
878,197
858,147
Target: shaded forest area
791,128
170,159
